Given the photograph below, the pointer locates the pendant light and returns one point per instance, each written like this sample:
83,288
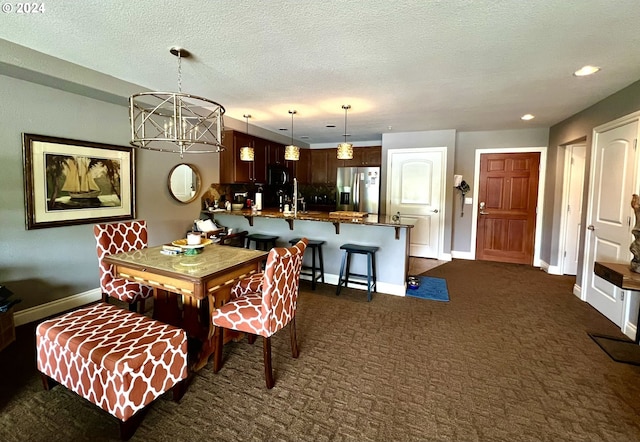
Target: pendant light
292,152
246,152
175,121
345,150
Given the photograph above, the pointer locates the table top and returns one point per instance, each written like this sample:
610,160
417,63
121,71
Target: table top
213,259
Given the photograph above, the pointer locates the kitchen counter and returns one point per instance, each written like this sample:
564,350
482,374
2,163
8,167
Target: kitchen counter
392,237
290,218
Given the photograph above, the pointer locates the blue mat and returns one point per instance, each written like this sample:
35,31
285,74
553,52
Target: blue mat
434,289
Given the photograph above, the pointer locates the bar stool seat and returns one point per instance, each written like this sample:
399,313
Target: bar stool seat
345,268
316,272
263,242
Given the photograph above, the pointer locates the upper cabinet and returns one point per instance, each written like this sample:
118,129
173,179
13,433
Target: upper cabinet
233,169
365,156
301,168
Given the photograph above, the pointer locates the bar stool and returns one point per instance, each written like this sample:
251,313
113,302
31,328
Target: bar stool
316,272
350,249
263,242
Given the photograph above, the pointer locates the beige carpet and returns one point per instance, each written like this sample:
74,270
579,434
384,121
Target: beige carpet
507,359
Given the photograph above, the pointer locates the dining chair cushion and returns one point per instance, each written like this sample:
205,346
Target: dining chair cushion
250,284
114,238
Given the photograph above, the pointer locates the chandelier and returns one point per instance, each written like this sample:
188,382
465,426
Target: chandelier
345,150
174,121
246,152
292,152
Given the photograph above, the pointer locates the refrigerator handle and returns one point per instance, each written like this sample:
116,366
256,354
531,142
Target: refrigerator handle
356,192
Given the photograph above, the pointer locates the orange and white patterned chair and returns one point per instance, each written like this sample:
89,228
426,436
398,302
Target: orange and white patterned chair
263,303
115,238
118,360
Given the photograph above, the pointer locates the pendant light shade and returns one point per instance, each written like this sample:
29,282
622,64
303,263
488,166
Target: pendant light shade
345,150
292,152
247,152
175,121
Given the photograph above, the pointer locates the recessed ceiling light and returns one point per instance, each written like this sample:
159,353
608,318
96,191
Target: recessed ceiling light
304,137
527,117
586,70
283,129
330,125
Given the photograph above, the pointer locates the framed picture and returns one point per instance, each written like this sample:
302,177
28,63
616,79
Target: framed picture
71,182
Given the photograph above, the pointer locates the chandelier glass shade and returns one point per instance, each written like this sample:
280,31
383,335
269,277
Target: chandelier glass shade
292,152
246,152
174,121
345,150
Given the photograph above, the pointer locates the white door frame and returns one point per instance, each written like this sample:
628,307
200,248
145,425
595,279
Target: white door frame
540,204
627,328
566,184
443,181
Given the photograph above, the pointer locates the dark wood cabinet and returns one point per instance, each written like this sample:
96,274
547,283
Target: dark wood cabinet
324,165
370,156
301,168
233,169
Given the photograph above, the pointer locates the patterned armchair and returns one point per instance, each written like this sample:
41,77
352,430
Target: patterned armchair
264,303
115,238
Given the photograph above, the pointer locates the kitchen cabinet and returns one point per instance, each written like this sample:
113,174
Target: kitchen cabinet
365,156
301,167
233,169
324,166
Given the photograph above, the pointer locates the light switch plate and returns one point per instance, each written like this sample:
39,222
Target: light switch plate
468,200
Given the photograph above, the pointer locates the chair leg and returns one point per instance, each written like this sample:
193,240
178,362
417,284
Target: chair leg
369,276
179,389
313,269
251,338
129,427
268,371
321,264
217,352
105,297
47,382
141,308
294,339
344,258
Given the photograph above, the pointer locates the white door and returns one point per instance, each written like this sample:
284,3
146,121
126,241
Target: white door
575,158
415,190
609,220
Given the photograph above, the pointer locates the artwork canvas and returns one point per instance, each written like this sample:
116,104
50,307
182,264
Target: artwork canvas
71,182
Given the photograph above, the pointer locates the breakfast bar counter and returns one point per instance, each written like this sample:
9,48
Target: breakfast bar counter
390,235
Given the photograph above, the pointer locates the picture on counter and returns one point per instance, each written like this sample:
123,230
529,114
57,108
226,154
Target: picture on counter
71,182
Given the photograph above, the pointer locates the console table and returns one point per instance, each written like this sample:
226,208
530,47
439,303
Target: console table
621,276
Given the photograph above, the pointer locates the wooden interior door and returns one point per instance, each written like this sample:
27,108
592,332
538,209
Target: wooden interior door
507,198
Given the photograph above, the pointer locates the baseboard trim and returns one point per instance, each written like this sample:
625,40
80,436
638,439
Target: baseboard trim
577,290
54,307
463,255
381,287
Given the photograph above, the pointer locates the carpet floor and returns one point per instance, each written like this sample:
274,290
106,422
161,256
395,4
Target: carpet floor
507,359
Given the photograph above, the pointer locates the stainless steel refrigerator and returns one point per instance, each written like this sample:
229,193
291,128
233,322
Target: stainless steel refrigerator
358,189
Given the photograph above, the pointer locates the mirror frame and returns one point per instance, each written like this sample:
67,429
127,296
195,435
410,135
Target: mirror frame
197,184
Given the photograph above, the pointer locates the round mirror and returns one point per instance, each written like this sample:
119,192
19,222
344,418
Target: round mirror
184,183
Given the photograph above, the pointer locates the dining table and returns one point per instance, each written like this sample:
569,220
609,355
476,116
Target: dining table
187,287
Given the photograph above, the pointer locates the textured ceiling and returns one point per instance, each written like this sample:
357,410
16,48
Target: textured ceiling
402,65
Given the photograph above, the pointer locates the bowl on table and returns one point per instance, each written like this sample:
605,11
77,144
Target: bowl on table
237,206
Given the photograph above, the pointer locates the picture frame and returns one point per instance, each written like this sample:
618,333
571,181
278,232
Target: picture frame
70,182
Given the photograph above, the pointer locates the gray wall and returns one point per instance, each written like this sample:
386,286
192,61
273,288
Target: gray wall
576,128
48,264
464,164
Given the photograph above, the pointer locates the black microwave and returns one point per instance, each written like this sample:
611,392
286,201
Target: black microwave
277,175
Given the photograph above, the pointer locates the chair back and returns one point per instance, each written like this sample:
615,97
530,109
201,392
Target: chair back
280,285
115,238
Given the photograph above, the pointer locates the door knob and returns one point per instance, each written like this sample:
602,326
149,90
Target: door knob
591,227
435,211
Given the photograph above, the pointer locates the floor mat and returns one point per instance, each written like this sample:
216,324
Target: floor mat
620,350
434,289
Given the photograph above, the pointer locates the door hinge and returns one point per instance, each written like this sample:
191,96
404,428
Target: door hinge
635,144
622,295
568,208
629,221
